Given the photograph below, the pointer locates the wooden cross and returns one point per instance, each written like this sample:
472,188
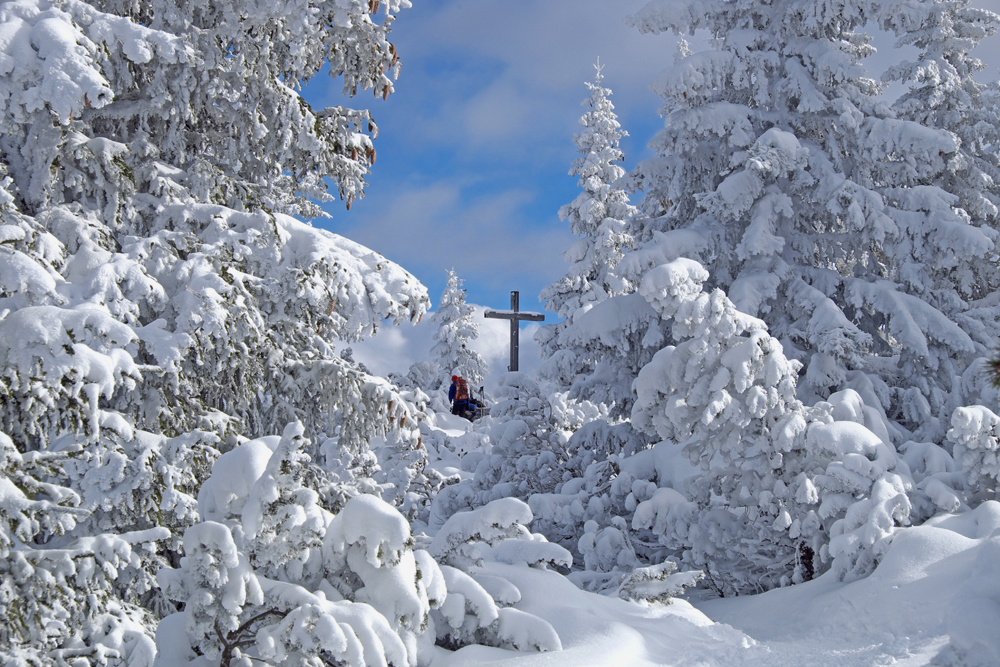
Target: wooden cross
515,316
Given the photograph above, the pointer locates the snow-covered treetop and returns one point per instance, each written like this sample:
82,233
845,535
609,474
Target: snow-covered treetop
456,328
599,214
598,145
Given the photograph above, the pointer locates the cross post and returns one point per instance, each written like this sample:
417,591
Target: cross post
515,316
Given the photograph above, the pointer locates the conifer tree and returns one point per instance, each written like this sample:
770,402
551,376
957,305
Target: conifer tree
975,439
599,216
158,304
276,574
456,329
528,447
947,244
801,190
784,490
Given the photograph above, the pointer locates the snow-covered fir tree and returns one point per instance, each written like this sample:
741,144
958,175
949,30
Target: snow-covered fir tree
962,283
76,586
270,561
158,280
479,606
159,305
528,449
975,439
271,574
594,354
783,490
456,328
589,357
804,193
526,452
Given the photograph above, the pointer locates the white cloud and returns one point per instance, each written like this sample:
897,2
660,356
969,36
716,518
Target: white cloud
518,68
543,51
498,113
550,44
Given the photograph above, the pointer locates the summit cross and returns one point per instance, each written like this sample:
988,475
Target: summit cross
515,316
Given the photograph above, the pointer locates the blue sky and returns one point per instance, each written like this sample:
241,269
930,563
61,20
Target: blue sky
475,144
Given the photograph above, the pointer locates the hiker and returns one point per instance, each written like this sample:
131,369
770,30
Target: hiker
461,402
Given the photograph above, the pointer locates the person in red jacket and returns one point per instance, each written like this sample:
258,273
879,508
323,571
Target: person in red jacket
461,400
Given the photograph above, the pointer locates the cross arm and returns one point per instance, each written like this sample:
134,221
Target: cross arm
514,315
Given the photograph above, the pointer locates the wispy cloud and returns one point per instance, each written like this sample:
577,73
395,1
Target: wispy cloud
501,113
538,56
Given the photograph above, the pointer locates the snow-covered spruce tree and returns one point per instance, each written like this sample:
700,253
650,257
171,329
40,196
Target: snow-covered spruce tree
157,302
177,297
961,202
170,274
528,447
575,358
783,171
783,489
729,392
479,607
407,481
527,452
607,334
975,439
593,496
456,328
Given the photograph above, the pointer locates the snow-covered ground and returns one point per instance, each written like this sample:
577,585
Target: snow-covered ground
597,630
938,584
934,582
